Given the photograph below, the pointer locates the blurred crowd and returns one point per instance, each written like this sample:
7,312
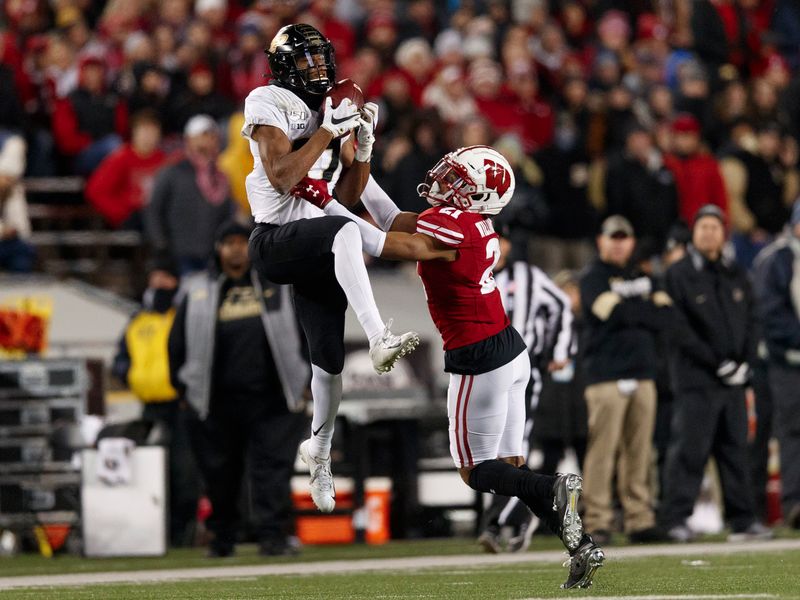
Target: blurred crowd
647,109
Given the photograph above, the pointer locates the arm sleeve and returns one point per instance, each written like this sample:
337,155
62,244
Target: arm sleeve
107,186
259,110
372,238
379,205
154,214
176,345
441,227
65,129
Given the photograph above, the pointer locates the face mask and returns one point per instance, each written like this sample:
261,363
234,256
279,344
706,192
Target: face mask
159,300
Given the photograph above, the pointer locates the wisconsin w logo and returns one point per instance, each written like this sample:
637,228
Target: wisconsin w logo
497,178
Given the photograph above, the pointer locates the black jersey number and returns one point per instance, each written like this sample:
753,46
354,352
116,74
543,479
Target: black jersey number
335,150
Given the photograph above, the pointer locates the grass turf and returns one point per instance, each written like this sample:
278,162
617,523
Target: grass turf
744,575
33,564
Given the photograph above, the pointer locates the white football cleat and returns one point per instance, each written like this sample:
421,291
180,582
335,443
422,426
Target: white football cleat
389,348
322,491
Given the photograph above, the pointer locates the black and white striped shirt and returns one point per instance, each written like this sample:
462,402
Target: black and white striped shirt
538,309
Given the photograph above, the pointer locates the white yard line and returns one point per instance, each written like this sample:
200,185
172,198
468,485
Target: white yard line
389,564
693,597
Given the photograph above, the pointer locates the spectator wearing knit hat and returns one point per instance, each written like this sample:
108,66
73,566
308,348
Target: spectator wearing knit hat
713,345
697,174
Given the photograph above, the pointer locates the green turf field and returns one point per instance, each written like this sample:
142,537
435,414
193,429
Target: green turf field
748,575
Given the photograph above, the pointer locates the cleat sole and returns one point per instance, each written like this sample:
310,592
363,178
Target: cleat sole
571,524
407,348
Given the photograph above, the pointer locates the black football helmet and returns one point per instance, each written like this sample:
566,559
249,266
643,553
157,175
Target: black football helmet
302,59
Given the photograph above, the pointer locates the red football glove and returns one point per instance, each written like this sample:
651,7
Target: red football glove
314,191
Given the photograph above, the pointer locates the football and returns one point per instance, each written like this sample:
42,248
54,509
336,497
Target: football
346,88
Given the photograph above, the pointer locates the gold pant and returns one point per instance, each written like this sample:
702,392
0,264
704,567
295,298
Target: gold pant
621,435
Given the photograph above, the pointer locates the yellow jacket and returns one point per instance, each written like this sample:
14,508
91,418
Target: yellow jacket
146,344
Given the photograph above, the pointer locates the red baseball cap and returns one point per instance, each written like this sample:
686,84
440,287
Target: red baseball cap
686,123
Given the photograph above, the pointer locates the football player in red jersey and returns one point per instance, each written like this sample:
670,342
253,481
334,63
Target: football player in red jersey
457,248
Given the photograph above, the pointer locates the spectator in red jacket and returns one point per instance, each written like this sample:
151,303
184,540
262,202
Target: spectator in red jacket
536,116
121,185
90,122
697,174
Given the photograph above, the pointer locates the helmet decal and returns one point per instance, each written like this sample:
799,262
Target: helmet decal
279,39
475,179
497,178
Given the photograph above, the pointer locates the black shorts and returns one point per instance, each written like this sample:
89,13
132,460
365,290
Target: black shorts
299,253
486,355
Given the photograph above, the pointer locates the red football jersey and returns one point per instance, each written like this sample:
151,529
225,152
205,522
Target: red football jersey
462,295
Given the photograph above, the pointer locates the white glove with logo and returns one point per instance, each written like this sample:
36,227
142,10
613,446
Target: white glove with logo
733,374
341,119
365,134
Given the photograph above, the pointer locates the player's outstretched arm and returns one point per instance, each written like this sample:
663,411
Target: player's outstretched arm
285,168
405,222
384,211
416,246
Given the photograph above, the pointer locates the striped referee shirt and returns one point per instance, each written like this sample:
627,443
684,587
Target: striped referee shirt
538,309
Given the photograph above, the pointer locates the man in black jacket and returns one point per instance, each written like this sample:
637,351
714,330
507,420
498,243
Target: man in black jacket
777,274
714,343
237,355
624,312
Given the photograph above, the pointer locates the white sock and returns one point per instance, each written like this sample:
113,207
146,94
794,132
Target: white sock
379,205
372,238
351,274
326,390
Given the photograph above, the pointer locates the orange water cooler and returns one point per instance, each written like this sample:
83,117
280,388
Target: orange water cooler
377,501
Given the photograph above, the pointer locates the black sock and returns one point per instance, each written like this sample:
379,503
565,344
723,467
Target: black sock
542,504
498,477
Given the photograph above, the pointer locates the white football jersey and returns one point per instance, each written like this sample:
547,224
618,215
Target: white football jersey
281,108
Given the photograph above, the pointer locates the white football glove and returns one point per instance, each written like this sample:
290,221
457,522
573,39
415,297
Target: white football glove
341,119
733,374
365,134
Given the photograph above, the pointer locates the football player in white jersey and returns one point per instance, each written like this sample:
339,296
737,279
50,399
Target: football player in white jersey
294,132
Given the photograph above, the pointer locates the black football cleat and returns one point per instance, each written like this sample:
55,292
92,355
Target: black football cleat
566,493
583,564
